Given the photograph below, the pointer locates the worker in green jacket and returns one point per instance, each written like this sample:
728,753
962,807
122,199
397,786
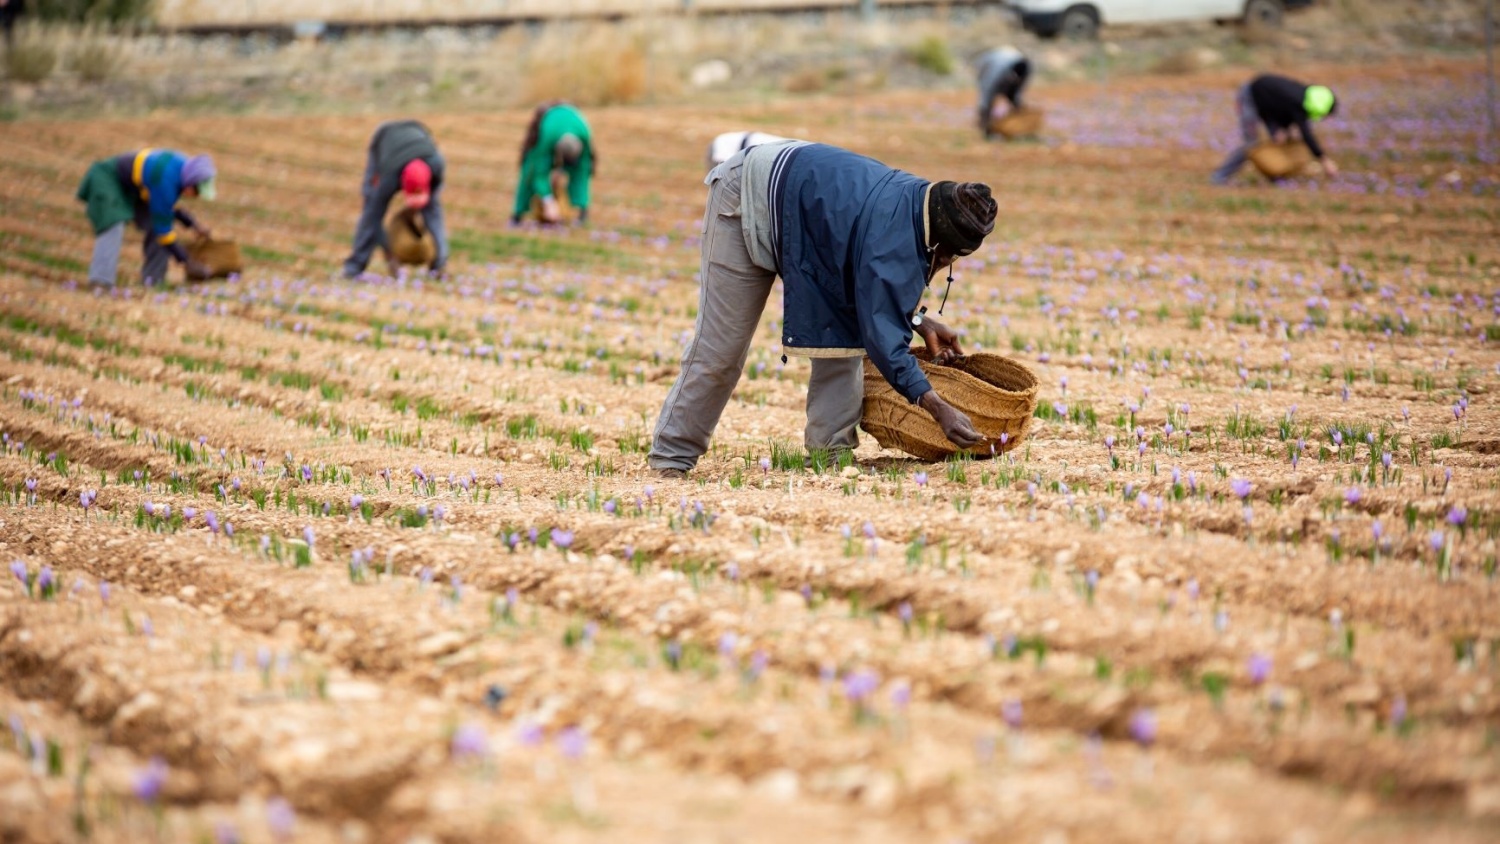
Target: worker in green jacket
558,146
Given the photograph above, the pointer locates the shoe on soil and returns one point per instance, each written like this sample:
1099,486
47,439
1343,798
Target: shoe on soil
671,474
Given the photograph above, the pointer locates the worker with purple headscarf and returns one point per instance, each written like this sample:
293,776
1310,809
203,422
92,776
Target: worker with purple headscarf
144,187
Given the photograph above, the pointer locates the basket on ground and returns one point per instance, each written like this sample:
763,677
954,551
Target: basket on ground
1023,122
222,257
1279,161
997,394
410,242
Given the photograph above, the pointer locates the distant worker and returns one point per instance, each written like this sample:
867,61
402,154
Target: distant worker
856,243
403,158
1003,73
558,147
726,145
145,187
9,11
1280,103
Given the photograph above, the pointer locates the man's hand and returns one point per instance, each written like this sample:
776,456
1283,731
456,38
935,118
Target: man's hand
1330,169
942,341
956,426
203,232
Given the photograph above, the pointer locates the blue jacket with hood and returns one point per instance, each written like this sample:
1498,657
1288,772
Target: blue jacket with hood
853,259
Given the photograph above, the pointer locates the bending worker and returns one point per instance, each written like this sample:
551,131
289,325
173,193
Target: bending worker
856,243
1280,103
1003,73
145,187
403,157
558,146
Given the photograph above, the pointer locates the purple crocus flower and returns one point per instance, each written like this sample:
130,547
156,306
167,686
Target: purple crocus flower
307,473
1398,712
1351,496
920,478
45,580
1010,713
1241,488
901,696
307,535
469,743
1457,516
18,569
356,501
765,465
904,612
530,734
859,685
759,661
1143,727
1259,668
1435,540
149,780
562,538
104,592
573,743
280,818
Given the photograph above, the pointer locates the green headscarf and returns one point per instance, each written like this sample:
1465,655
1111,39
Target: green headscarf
1318,102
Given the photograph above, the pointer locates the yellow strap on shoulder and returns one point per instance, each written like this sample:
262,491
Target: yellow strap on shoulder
138,172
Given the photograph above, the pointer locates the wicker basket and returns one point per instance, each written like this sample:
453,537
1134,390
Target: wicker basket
410,242
997,394
1023,122
222,257
1279,161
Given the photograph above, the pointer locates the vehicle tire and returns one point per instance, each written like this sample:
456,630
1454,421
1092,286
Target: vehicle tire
1081,23
1266,14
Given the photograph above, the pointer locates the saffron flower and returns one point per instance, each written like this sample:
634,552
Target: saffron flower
469,743
1259,668
563,539
150,780
1241,488
1143,727
573,743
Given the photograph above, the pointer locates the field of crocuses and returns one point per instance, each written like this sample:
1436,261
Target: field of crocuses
298,559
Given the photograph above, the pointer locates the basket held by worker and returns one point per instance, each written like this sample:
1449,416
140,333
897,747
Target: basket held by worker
411,244
1283,160
1021,122
221,257
998,394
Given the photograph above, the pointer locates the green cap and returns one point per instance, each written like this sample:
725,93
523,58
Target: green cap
1317,102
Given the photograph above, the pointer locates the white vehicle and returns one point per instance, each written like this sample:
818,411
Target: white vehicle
1082,18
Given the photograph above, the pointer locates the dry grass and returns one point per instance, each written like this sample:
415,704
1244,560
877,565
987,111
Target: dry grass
33,56
599,64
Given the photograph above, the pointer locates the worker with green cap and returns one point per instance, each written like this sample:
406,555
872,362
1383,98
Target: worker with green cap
558,148
1280,103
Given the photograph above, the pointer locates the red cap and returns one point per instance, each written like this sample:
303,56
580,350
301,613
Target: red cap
416,183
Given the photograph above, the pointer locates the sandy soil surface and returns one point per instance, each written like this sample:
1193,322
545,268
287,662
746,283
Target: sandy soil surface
382,561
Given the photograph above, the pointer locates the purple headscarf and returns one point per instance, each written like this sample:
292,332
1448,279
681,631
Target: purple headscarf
197,170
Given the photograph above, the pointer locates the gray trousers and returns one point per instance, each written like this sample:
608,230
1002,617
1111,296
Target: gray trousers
731,298
105,263
369,232
1249,136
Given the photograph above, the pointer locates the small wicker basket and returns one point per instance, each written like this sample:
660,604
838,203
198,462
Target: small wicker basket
998,394
410,242
222,257
1023,122
1279,161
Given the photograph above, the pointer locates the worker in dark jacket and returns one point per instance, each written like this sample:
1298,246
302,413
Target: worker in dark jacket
855,243
145,187
1003,74
1280,104
402,158
558,148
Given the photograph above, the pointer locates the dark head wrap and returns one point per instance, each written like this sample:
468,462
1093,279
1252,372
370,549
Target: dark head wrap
961,214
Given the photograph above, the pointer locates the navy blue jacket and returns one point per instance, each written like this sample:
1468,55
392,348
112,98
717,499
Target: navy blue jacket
853,260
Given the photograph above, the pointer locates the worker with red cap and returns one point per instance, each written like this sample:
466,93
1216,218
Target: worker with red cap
403,159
